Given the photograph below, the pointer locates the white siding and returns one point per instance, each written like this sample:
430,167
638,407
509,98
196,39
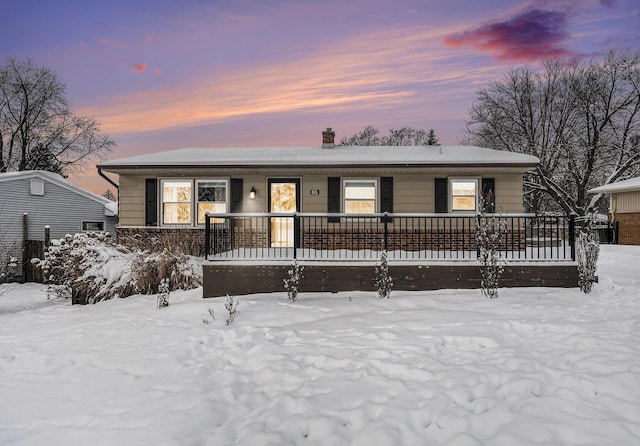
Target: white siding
60,208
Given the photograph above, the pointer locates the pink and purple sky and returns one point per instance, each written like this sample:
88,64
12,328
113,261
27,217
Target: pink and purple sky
166,74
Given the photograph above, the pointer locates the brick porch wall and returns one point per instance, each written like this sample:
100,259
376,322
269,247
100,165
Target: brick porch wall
409,240
188,240
629,228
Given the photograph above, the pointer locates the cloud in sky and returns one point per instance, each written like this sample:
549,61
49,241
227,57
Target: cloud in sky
609,3
104,41
529,36
139,67
353,74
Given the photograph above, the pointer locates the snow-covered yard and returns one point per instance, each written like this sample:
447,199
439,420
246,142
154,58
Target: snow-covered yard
535,367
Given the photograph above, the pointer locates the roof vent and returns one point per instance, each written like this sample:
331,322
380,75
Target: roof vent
328,138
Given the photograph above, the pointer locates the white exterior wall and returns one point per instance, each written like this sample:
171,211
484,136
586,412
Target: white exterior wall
60,208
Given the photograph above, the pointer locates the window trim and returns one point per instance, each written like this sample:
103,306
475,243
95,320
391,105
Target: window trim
83,222
476,181
162,201
36,187
227,195
193,199
343,198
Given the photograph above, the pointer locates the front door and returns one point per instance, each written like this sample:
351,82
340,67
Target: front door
284,198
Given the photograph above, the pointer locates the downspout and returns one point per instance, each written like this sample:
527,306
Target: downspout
109,180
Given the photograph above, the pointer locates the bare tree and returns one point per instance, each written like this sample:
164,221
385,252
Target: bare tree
404,136
38,129
581,120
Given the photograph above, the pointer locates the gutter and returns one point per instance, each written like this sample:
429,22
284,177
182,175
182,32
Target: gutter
317,166
109,180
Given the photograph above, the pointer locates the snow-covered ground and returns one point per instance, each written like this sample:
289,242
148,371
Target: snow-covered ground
537,366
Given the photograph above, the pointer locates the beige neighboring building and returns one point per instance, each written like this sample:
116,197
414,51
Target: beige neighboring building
624,208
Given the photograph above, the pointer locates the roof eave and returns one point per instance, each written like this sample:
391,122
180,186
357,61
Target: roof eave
113,167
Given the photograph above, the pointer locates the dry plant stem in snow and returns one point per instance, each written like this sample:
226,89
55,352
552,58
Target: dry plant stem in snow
205,318
231,305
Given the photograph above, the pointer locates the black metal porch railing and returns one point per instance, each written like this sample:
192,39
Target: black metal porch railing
406,237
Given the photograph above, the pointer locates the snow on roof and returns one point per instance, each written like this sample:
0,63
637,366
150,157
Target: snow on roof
620,186
111,208
316,156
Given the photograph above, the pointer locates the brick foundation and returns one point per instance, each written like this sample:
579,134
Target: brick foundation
187,240
628,228
407,240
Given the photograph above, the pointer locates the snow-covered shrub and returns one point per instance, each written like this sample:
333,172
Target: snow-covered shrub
98,268
58,292
176,240
489,234
384,282
8,269
292,283
163,293
231,305
587,253
91,264
148,266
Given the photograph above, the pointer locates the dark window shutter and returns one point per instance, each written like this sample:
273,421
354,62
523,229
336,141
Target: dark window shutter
236,195
151,202
386,196
489,194
333,198
441,195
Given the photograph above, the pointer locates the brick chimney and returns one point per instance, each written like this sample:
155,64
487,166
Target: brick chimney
328,138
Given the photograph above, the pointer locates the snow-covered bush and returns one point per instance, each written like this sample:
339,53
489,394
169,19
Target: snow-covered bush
8,269
58,292
587,253
384,282
91,264
292,283
148,266
231,304
489,233
98,268
163,293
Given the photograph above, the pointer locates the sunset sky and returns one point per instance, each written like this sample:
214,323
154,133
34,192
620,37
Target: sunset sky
167,74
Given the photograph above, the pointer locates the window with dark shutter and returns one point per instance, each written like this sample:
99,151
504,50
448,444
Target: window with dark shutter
489,195
151,202
333,198
441,195
236,195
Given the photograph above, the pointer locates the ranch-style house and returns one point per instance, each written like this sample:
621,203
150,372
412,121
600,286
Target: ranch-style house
252,211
